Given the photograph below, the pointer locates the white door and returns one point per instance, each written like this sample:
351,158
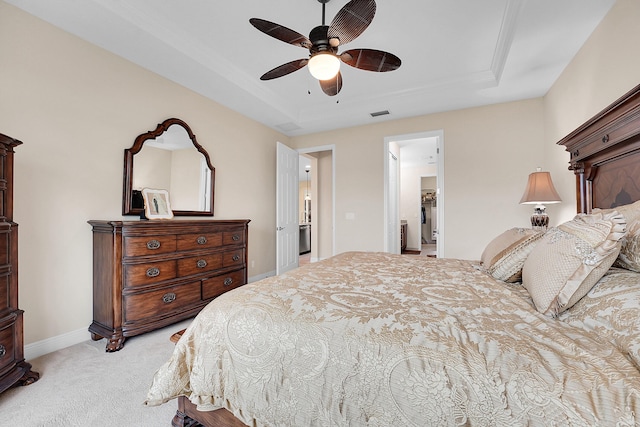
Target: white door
287,224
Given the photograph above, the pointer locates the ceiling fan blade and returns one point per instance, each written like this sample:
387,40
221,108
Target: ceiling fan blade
281,33
284,69
352,20
371,60
332,87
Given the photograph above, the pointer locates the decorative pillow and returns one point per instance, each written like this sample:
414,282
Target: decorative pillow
610,312
629,257
504,256
570,259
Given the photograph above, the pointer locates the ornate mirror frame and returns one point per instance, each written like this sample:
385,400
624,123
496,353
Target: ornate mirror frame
127,194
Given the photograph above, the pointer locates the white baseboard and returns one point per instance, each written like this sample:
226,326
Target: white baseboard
261,276
40,348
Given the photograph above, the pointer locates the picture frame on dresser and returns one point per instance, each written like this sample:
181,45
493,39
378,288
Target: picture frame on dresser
157,204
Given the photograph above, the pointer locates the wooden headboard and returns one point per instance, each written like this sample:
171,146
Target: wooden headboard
605,155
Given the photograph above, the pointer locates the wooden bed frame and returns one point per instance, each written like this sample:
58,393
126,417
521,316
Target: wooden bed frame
605,157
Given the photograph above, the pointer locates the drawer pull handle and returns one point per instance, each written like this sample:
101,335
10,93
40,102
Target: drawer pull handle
153,244
3,350
168,298
235,237
228,281
153,272
201,240
236,257
605,139
201,263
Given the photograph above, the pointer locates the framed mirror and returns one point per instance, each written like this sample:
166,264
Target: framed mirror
171,159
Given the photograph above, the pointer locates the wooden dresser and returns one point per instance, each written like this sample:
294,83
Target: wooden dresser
150,274
13,368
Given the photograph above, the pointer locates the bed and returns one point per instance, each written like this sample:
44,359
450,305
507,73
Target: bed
543,330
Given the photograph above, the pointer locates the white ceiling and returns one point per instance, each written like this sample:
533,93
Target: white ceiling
455,53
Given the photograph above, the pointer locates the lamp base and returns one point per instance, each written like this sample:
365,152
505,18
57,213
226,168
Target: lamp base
540,221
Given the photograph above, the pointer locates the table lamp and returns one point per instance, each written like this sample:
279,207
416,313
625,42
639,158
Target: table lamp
540,191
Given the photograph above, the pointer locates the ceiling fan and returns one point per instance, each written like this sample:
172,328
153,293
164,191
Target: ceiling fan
323,42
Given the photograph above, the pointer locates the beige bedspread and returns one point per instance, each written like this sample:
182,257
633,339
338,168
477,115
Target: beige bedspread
388,340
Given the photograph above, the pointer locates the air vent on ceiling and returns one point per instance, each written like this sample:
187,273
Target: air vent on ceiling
288,127
380,113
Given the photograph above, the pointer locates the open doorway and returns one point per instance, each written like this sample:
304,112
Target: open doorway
306,166
428,215
316,203
414,206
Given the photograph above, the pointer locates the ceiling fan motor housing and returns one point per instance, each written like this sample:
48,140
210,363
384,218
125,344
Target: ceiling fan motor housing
320,42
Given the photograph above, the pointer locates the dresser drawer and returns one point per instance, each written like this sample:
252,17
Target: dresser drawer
7,334
5,240
162,301
218,285
233,237
144,274
199,264
148,245
5,292
232,258
190,242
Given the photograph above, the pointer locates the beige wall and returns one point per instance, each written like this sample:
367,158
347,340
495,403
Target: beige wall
77,107
604,69
489,152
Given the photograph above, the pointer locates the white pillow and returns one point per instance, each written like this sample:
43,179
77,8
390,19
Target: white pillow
569,260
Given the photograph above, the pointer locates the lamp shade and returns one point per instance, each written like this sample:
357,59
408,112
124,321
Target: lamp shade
324,65
540,190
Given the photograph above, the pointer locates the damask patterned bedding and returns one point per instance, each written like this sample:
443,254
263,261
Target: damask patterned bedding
377,339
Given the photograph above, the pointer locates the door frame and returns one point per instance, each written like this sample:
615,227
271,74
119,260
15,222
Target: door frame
439,135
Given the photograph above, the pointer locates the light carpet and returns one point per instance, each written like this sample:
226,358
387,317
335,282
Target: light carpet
83,385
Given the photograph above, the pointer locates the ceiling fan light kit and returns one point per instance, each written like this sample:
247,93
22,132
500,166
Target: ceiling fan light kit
323,43
324,65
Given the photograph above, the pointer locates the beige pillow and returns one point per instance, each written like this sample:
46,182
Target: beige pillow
570,259
504,256
629,257
610,311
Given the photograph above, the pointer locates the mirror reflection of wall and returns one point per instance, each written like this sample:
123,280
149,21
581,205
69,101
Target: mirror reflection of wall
151,166
170,162
184,194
